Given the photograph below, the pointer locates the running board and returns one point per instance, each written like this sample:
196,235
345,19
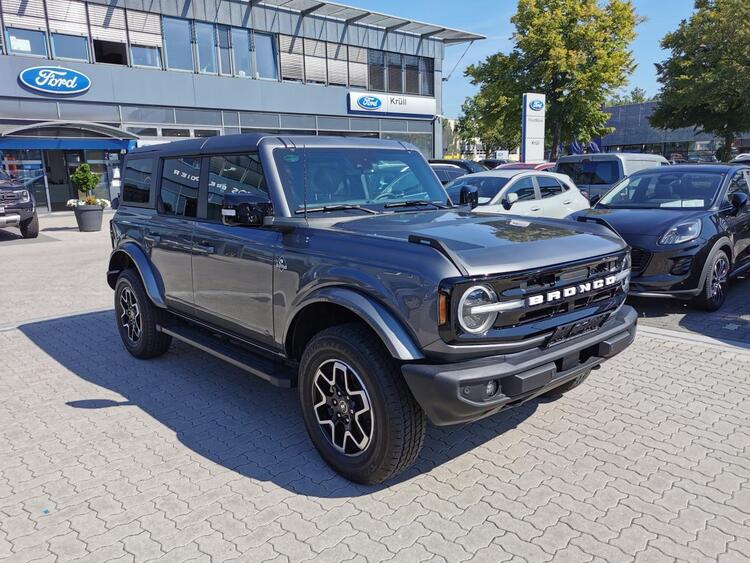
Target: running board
276,373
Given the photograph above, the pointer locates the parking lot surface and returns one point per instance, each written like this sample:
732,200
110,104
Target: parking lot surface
104,457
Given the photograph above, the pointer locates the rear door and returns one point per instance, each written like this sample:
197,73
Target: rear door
169,234
554,198
233,265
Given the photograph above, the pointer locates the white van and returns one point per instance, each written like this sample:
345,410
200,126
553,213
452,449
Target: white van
595,174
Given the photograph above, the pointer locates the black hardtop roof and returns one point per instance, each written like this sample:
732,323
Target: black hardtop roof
249,142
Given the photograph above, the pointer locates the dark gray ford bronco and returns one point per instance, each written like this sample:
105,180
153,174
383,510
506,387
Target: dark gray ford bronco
18,206
342,267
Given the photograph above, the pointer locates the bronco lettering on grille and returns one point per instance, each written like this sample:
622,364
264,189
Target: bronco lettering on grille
571,291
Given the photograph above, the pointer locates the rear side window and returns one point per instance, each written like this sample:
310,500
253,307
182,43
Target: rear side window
549,187
234,174
137,181
591,172
179,186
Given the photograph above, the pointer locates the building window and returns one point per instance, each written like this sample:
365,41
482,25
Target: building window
376,70
241,53
265,56
205,40
27,42
337,64
225,50
136,180
179,186
70,47
205,132
411,74
110,52
292,58
178,48
143,131
145,56
395,73
357,67
174,132
315,61
427,76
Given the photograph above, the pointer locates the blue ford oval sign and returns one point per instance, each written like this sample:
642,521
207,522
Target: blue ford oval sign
369,103
536,105
55,80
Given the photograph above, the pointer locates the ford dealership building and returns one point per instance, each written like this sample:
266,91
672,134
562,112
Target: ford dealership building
83,81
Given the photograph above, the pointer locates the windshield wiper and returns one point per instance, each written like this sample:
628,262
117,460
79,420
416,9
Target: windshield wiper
341,207
415,203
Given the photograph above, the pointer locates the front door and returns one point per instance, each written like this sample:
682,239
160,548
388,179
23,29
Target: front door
60,165
233,266
528,202
739,220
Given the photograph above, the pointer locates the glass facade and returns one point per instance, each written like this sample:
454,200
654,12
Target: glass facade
26,42
71,47
178,46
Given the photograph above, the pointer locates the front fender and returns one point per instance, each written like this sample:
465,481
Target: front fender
130,252
391,331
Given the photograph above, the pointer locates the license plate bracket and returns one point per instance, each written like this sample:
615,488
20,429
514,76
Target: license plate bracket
579,328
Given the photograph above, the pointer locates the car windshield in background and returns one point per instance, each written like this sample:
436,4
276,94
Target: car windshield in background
4,176
665,190
488,187
590,172
336,177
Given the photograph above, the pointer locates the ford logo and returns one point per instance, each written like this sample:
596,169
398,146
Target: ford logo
369,103
55,80
536,105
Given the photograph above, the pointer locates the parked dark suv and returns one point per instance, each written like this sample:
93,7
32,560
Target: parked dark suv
307,262
17,206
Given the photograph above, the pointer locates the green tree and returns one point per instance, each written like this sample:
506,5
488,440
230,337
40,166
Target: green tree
493,134
705,79
576,52
635,96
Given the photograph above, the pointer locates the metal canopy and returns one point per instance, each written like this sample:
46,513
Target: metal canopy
350,14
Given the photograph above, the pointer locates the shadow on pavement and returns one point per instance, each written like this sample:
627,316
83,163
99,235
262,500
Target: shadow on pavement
225,415
730,323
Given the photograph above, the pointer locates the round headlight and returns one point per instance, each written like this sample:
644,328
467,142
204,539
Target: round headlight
472,321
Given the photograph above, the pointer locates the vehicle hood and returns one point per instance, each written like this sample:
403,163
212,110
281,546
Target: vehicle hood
490,244
10,185
649,222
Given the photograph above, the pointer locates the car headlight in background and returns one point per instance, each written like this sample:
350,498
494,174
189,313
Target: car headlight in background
471,320
682,232
25,196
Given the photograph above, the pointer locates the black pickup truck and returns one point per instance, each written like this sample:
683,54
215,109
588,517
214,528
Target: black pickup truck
17,207
341,266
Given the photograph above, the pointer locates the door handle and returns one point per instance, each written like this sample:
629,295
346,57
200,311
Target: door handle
153,239
536,209
204,249
566,202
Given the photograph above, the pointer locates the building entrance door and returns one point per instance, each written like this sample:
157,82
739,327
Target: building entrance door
60,165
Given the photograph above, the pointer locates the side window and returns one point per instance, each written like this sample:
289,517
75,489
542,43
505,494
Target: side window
738,185
524,188
236,174
548,186
179,186
136,180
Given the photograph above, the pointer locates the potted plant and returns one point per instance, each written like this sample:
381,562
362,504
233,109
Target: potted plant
89,209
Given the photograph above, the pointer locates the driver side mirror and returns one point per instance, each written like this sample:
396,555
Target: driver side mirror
469,195
738,201
246,210
115,203
509,200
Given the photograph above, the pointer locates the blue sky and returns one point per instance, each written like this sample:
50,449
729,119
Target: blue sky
492,18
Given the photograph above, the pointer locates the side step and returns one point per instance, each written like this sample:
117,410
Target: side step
276,373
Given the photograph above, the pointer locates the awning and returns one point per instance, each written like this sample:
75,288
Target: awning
19,143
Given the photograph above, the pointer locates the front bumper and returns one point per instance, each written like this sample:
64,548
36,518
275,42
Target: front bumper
671,272
454,393
14,216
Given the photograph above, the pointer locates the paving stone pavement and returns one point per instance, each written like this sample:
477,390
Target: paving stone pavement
104,457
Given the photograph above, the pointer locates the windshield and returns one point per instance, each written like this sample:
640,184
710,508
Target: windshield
488,186
328,177
591,172
665,189
4,176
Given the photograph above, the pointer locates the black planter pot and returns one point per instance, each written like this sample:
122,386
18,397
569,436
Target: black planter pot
89,217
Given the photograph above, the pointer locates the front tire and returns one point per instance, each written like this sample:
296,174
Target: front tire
137,318
357,408
30,227
715,284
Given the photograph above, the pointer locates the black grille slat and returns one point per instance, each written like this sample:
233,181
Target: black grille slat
640,259
9,196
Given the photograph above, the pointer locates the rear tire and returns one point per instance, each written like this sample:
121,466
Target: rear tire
137,318
715,284
357,408
30,227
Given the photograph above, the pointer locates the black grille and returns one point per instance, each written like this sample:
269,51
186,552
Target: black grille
639,259
9,196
